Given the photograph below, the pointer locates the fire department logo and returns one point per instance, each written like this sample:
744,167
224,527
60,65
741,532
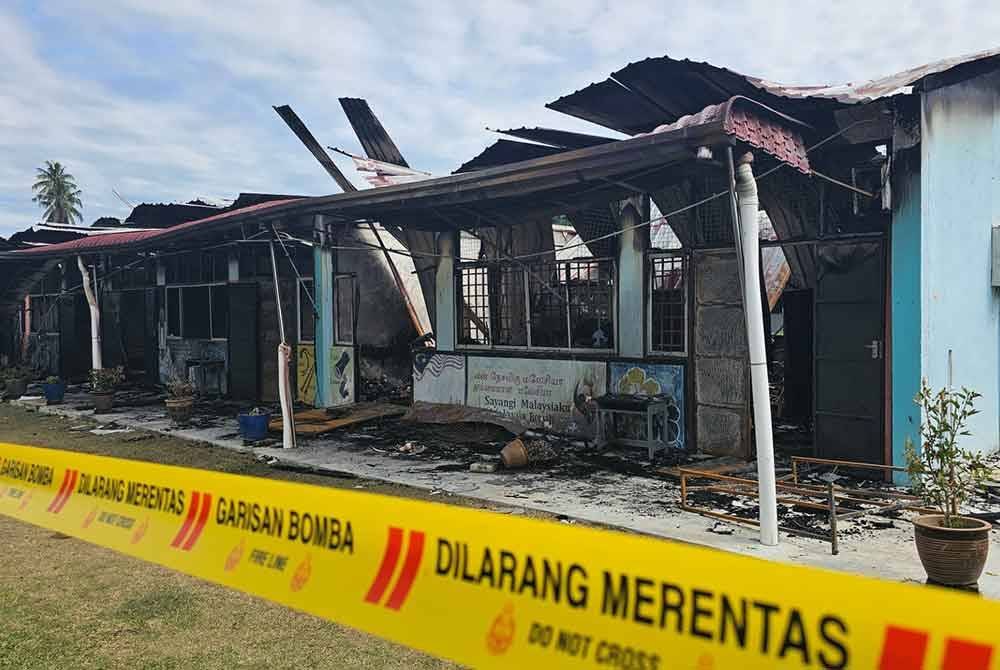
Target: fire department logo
501,633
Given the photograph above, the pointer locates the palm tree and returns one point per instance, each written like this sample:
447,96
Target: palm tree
56,192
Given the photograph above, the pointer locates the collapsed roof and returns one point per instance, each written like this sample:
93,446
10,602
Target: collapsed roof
650,92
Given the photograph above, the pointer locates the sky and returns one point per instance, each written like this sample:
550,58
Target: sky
170,101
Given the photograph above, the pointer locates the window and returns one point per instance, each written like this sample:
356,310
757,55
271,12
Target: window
133,273
44,313
201,267
475,301
307,312
668,304
174,312
343,297
549,305
196,308
198,312
220,311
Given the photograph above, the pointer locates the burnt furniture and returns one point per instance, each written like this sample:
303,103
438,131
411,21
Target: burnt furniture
651,411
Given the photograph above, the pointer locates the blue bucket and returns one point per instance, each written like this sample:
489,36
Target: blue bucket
54,393
253,427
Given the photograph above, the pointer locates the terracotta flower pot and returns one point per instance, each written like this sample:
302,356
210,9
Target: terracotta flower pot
514,455
179,409
952,556
103,401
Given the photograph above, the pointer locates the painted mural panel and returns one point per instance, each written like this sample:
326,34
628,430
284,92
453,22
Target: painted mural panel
550,394
342,375
439,377
305,373
654,379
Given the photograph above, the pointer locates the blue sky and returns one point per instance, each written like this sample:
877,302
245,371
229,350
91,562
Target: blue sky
167,101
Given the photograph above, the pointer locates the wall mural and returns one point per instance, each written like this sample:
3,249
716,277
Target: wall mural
655,379
342,375
439,377
305,373
550,394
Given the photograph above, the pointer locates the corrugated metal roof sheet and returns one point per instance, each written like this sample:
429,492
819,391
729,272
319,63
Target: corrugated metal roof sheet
128,238
374,138
564,139
654,91
503,152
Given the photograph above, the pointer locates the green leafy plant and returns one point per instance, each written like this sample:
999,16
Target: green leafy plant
943,473
106,379
180,388
52,379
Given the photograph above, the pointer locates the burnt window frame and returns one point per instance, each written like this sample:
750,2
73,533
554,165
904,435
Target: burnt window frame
211,289
653,258
556,278
50,311
339,282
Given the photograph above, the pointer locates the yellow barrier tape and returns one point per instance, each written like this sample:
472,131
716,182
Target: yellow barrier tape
491,590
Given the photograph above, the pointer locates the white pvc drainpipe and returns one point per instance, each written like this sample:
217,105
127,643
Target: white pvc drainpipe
746,191
284,359
95,314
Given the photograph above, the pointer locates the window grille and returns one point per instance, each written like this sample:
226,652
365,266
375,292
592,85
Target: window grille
541,305
668,304
474,301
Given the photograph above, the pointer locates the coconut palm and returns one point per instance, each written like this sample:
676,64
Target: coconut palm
56,192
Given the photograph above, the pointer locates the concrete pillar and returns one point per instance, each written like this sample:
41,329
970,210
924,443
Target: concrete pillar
233,265
323,272
444,330
632,245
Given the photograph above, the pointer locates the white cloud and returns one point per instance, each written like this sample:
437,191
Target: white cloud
169,100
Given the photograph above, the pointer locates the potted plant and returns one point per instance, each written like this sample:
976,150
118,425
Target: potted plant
253,424
16,382
952,547
102,387
54,390
180,400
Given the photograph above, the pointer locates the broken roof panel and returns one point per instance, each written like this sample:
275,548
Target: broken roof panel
565,181
373,136
115,241
647,93
563,139
503,152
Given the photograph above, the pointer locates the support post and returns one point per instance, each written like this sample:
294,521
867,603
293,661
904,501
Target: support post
631,272
89,290
284,359
749,245
444,330
26,335
324,267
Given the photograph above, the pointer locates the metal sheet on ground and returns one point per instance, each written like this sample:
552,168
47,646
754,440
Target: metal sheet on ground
491,590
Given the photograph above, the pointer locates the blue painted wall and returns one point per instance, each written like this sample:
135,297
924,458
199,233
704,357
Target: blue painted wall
323,272
960,203
906,296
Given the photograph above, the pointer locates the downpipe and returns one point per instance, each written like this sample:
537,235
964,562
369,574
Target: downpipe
746,191
95,315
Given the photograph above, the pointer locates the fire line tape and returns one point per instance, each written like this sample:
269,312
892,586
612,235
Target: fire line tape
491,590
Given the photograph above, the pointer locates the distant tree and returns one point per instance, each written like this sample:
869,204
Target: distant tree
56,192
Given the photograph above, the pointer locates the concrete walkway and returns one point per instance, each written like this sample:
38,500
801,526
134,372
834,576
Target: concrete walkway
633,503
